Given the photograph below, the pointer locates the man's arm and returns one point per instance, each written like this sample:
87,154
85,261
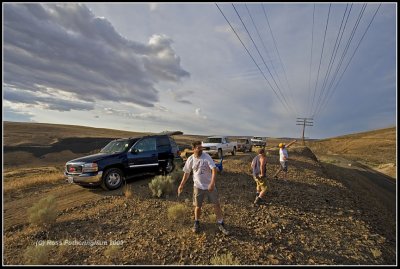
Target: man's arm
288,145
183,182
212,183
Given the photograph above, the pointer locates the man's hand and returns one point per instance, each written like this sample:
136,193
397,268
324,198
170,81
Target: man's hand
180,189
211,187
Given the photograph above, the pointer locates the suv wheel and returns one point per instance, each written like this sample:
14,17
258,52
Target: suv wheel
112,179
169,167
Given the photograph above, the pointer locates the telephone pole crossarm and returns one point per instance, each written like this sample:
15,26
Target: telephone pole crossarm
305,122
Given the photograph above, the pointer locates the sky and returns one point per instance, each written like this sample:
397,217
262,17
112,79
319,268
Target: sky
231,69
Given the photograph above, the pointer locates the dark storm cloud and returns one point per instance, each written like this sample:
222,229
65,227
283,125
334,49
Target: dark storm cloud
65,47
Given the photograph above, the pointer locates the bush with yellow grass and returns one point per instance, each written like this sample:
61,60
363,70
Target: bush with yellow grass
44,212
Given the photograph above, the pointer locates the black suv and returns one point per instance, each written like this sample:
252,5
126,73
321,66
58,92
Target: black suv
125,158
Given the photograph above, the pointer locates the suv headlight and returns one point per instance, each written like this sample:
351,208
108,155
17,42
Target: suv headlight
90,167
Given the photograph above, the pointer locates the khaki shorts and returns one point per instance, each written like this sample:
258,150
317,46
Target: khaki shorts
199,194
262,183
284,166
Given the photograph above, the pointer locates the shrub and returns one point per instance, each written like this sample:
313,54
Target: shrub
112,252
177,213
44,212
212,218
224,259
37,254
161,185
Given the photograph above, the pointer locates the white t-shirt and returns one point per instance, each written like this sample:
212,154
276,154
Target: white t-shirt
201,167
283,152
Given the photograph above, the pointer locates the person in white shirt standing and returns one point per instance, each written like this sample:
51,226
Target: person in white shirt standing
283,158
204,173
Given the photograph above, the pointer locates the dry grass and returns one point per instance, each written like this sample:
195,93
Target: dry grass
26,178
177,213
224,259
37,255
44,212
127,191
112,253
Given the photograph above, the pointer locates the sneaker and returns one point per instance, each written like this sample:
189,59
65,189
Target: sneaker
196,227
222,228
259,201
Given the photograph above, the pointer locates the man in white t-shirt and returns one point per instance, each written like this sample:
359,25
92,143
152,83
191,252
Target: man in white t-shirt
204,173
283,157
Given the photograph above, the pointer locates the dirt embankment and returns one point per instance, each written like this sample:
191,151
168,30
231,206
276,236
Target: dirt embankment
311,218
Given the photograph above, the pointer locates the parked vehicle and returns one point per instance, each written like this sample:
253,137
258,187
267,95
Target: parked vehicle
124,158
244,144
218,146
259,141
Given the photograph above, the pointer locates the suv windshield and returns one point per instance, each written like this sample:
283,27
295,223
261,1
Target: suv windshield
115,146
213,140
258,138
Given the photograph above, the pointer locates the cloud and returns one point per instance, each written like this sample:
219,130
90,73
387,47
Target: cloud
45,100
67,48
128,114
14,115
179,95
199,114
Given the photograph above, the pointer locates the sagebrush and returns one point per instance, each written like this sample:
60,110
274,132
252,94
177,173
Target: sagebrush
44,212
224,259
37,254
162,185
177,213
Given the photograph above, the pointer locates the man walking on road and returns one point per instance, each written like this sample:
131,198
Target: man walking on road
259,168
204,173
283,158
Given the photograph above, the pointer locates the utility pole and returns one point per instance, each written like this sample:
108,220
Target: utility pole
305,122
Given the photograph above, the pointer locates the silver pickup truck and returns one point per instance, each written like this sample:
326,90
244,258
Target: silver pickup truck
218,146
259,141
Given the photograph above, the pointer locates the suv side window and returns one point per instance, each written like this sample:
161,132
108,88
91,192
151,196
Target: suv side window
146,144
174,146
163,144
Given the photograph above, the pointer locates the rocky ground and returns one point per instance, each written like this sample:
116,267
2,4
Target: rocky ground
311,218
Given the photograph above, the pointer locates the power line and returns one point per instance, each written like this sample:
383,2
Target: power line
322,52
249,54
356,49
309,77
276,48
352,34
262,58
344,51
263,44
333,57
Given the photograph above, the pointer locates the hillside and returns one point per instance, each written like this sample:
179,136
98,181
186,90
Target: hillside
376,149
